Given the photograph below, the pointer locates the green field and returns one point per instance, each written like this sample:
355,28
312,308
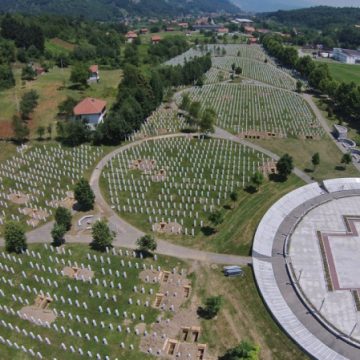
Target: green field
345,72
53,88
61,288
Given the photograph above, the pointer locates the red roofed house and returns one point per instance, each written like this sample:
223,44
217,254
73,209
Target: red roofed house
94,73
131,36
155,39
144,31
90,109
183,25
253,40
249,29
222,31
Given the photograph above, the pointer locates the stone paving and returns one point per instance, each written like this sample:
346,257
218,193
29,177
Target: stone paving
341,258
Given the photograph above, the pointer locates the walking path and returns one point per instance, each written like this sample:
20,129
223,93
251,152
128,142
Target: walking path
319,115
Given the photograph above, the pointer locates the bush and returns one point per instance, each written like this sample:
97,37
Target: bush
212,307
244,351
147,243
285,166
15,239
63,217
102,236
84,195
58,233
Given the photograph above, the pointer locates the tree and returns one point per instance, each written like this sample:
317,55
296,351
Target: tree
74,132
20,129
207,121
49,130
7,79
234,196
66,107
58,233
40,131
15,238
257,179
212,307
299,86
185,102
285,166
244,351
80,74
63,217
194,112
315,160
28,103
238,70
84,195
28,73
216,217
146,243
346,159
102,236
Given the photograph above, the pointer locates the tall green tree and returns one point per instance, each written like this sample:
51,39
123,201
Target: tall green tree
146,243
58,234
84,195
212,307
346,159
80,74
15,238
63,217
20,129
7,79
207,121
285,166
244,351
315,160
102,236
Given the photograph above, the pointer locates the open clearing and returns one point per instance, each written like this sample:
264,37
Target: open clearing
345,72
53,88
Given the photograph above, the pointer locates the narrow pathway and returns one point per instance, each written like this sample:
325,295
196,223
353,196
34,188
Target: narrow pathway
319,115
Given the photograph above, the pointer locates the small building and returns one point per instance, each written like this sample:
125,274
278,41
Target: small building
222,31
144,31
155,39
243,21
90,109
131,36
94,73
183,25
249,29
253,40
340,132
170,29
347,56
40,70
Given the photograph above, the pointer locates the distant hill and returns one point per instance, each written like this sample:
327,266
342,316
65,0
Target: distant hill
113,9
320,17
271,5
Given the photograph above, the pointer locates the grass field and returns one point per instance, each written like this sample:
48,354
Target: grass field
303,150
243,316
53,88
345,72
58,287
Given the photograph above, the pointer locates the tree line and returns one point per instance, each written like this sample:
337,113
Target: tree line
345,97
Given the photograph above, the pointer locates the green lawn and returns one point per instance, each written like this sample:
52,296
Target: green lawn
235,234
53,88
303,150
114,337
345,72
243,316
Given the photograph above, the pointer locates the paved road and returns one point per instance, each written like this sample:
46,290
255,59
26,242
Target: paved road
309,99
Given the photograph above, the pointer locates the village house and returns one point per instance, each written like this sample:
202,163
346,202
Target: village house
347,56
94,73
155,39
249,29
183,25
90,109
131,36
144,31
222,31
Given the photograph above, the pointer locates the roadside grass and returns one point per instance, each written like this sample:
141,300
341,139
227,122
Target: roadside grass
302,151
235,234
53,88
243,316
345,72
114,337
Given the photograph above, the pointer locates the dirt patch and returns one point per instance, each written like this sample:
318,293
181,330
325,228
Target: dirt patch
268,168
18,198
251,134
68,202
78,273
142,164
167,228
64,44
6,130
39,313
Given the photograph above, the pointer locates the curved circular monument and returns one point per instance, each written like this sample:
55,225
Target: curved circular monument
306,255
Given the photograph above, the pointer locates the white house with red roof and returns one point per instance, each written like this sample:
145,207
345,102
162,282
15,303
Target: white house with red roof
90,109
131,36
94,73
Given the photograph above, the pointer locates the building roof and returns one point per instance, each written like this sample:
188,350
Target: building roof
349,52
249,28
223,30
155,38
244,20
89,106
131,35
94,68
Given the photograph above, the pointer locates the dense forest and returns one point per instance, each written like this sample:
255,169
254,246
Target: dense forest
116,9
332,27
318,18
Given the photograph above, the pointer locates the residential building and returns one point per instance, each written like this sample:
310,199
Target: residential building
347,56
94,73
90,109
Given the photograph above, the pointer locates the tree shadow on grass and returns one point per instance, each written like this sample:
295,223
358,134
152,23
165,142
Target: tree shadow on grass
208,230
145,254
340,168
277,178
251,189
307,170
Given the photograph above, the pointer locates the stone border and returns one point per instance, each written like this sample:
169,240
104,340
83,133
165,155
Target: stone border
277,282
